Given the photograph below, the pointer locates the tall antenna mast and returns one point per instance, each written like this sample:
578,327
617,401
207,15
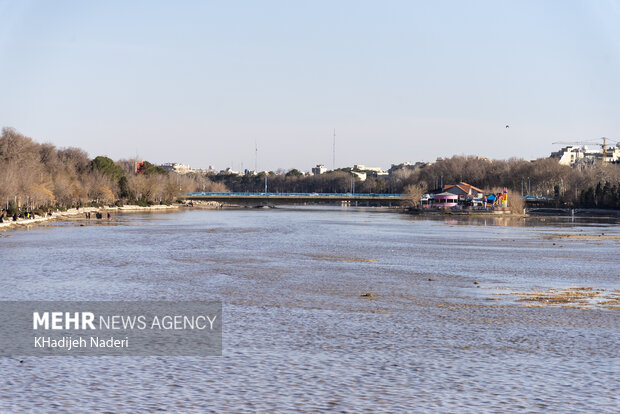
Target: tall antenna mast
334,152
255,157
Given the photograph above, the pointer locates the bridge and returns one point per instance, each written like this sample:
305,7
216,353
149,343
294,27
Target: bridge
349,199
360,199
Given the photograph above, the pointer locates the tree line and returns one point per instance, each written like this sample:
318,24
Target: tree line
41,176
597,186
568,186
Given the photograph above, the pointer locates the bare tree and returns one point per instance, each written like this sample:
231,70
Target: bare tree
414,194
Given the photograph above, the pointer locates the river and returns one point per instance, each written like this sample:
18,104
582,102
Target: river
333,310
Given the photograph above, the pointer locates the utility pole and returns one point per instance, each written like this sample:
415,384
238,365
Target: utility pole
265,183
255,157
521,186
334,151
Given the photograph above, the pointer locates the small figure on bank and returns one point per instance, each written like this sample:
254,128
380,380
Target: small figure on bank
15,217
109,216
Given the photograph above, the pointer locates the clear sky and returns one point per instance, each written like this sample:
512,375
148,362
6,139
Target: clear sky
200,82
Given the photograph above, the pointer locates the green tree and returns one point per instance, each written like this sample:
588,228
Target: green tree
107,167
294,173
123,188
151,169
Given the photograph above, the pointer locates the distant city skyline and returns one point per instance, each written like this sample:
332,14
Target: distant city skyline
203,83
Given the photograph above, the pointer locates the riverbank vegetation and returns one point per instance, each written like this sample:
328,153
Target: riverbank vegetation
41,176
597,186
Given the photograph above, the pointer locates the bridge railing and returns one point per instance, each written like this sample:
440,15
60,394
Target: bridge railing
318,195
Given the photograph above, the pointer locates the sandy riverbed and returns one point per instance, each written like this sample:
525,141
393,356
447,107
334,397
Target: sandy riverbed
583,236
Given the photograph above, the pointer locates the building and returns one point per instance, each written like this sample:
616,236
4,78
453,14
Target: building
177,168
445,200
568,155
582,155
230,171
452,195
369,171
462,190
319,169
407,166
427,200
612,154
360,167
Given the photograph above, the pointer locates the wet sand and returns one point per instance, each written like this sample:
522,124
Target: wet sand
585,236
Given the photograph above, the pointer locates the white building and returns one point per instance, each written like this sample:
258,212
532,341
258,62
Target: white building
231,172
319,169
177,168
613,154
370,171
361,167
568,155
575,155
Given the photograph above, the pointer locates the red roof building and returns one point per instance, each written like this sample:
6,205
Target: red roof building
463,189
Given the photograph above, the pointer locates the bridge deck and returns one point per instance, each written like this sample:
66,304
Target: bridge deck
295,197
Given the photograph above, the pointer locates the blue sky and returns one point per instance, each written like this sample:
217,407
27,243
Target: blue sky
200,82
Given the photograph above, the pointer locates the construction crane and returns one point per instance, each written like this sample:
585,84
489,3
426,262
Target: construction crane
595,141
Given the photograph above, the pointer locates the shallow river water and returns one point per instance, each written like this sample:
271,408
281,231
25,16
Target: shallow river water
332,310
